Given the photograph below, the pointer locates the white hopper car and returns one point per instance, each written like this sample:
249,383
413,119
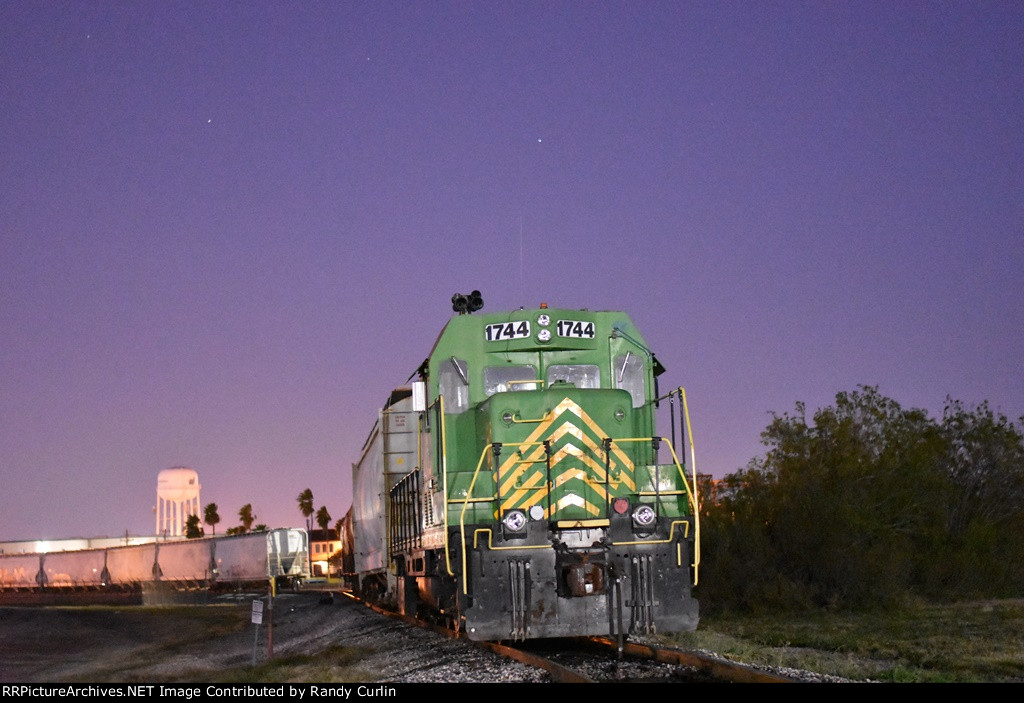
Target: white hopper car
282,554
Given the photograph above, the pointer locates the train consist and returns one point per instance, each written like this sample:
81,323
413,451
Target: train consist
517,488
256,557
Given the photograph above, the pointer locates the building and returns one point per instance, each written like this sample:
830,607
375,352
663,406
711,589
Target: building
323,544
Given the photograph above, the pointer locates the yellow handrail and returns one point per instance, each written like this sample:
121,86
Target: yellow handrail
516,420
682,474
462,515
525,381
693,469
490,543
671,532
690,492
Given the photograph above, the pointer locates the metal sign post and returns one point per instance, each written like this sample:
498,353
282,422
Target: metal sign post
257,619
270,619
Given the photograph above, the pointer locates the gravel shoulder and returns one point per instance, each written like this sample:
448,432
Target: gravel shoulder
318,639
315,638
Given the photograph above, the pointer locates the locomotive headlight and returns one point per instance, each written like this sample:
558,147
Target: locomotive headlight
544,320
514,521
644,516
544,336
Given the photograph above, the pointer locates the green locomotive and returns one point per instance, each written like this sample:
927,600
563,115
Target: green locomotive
515,490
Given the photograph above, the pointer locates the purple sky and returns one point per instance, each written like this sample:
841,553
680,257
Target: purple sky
230,228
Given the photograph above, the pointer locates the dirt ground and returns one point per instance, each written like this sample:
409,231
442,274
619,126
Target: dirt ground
163,643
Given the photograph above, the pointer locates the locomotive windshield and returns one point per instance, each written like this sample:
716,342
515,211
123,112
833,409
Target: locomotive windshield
580,375
498,379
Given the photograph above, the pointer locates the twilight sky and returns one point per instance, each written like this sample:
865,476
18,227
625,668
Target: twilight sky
228,229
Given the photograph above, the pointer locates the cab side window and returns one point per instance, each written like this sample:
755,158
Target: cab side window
628,374
453,384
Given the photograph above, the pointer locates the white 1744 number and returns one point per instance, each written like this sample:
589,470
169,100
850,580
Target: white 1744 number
575,328
507,330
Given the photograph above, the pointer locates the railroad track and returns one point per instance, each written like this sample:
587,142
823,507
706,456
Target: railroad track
601,660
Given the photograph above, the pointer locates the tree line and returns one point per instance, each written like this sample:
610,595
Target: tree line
246,517
868,503
322,517
211,517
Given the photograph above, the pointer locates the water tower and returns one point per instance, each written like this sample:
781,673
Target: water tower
177,497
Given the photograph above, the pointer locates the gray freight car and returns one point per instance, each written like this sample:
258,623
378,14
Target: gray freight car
280,554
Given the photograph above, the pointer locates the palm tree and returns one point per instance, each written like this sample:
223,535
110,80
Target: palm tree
192,528
246,516
306,506
211,517
323,518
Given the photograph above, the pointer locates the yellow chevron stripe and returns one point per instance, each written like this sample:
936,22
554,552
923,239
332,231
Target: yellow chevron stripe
596,477
591,460
510,478
525,492
572,499
596,450
528,490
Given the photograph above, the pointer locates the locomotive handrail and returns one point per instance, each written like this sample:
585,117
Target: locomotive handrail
516,420
693,468
471,500
538,381
693,492
693,503
462,515
682,473
690,493
671,532
403,533
490,543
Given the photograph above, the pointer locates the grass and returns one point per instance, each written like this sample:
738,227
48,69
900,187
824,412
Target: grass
964,642
335,664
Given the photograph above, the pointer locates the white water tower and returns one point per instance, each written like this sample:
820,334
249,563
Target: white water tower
177,497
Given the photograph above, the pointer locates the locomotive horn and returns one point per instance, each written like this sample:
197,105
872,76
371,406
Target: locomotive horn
463,304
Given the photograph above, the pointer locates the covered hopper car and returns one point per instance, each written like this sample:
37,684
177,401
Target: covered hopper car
280,554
